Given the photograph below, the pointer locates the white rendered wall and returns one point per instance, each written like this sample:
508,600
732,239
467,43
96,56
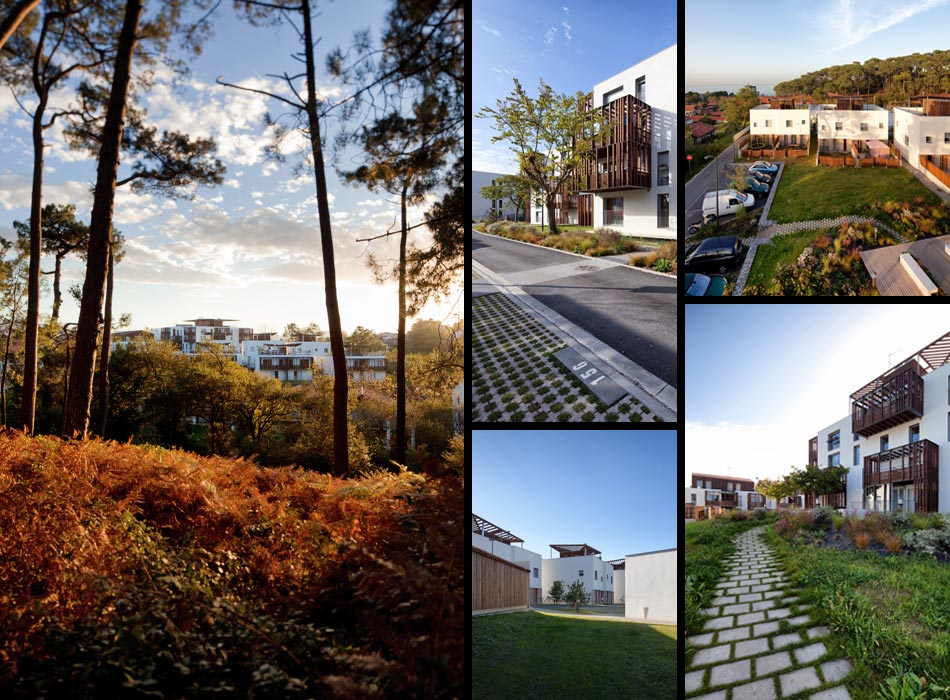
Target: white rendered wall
911,129
640,206
620,592
851,120
800,126
566,569
855,486
651,582
481,206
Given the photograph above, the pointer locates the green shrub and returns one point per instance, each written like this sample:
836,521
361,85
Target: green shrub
824,517
932,542
759,513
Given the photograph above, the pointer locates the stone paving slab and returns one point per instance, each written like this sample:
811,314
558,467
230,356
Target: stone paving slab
747,651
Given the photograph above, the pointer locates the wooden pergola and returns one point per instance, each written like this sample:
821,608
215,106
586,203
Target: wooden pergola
492,531
574,550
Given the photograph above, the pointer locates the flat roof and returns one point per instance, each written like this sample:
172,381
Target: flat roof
492,531
574,550
892,279
727,478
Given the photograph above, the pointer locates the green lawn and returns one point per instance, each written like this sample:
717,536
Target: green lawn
534,656
889,615
782,249
807,191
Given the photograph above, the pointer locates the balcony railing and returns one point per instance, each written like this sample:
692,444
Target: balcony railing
756,500
613,218
916,462
893,398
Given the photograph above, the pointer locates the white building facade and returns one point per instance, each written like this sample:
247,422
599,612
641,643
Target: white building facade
780,126
896,442
585,566
838,128
923,134
652,585
482,207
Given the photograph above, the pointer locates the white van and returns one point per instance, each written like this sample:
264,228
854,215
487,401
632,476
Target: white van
729,203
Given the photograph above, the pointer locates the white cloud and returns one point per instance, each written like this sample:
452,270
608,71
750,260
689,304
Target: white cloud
752,451
549,36
853,22
567,31
486,28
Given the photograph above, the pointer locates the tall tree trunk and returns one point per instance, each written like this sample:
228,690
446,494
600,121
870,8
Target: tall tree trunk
401,339
341,456
14,18
57,291
31,338
76,411
552,220
106,351
15,307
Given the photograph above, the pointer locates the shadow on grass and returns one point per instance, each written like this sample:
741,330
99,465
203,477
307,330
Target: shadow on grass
531,655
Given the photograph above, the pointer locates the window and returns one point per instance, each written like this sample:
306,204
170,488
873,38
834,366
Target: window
834,460
663,211
534,573
838,126
948,426
692,496
929,139
803,121
276,374
854,437
857,455
914,434
864,126
906,140
880,125
663,168
834,440
946,137
641,89
613,211
788,122
824,127
595,574
754,124
884,443
768,122
580,572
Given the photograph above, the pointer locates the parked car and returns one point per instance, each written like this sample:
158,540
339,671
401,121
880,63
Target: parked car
761,177
764,166
729,203
755,187
698,285
717,253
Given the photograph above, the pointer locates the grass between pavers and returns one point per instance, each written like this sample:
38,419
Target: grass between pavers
708,543
889,615
531,655
807,192
516,378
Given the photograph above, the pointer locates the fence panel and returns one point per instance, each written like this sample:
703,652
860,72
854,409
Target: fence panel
497,583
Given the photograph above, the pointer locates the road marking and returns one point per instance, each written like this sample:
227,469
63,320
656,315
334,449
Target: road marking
593,378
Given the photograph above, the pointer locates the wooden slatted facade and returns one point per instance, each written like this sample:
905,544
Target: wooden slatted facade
916,462
620,155
893,398
497,584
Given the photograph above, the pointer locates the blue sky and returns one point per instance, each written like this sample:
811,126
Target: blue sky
571,45
763,379
615,490
724,48
248,249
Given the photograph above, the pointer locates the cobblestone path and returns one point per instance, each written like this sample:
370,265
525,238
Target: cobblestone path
759,643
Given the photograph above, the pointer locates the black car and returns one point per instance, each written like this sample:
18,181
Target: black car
718,253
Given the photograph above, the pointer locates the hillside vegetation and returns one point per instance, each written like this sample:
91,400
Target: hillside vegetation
133,572
892,80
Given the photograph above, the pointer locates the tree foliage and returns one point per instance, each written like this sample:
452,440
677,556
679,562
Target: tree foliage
577,595
556,593
509,189
736,107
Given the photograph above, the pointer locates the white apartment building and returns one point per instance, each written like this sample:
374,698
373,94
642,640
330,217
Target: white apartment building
490,538
780,124
629,183
579,562
482,207
651,586
711,491
287,361
896,442
850,121
922,135
620,591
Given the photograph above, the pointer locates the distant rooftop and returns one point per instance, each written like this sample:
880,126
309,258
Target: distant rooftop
574,550
209,321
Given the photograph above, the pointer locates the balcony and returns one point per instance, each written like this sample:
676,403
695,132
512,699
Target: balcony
893,398
620,157
756,500
723,499
917,462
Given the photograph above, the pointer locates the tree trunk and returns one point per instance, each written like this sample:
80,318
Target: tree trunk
106,351
57,291
400,454
30,339
14,18
6,357
341,457
76,411
552,220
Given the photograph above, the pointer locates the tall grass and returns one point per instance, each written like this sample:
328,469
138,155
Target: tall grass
128,571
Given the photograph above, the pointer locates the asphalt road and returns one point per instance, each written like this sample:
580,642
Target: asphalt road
704,182
633,312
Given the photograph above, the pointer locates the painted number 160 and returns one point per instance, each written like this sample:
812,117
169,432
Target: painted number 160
588,374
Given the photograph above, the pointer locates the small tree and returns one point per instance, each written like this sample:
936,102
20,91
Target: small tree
776,489
510,189
818,481
577,595
557,592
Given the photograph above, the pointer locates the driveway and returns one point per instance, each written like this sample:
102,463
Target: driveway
631,311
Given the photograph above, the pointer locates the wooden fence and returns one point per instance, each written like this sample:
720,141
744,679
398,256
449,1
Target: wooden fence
497,583
941,175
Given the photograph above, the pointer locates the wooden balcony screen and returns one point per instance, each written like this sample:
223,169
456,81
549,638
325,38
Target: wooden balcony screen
917,462
813,452
497,583
690,513
891,399
303,363
620,157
